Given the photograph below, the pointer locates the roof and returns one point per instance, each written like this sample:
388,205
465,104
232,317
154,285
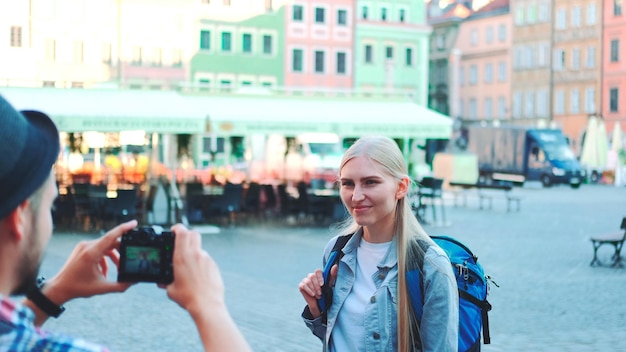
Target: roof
79,110
494,8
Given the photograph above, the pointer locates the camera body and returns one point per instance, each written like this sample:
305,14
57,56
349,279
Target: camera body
146,256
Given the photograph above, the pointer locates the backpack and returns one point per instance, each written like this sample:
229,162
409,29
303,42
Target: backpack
471,280
473,287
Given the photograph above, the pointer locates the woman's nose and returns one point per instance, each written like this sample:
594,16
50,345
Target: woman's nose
357,194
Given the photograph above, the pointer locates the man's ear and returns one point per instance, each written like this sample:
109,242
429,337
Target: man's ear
15,222
403,187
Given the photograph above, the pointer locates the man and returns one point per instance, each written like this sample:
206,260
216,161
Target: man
29,149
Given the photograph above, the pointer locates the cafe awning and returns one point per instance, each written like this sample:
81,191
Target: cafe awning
348,118
110,110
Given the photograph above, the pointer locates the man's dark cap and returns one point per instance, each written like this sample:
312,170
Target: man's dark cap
29,147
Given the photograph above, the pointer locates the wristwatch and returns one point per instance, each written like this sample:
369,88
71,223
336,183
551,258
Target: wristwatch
43,302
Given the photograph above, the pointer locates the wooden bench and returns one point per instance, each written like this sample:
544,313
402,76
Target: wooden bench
615,239
483,196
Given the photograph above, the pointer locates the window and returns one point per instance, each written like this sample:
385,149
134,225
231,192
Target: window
542,103
267,44
16,36
575,58
226,42
297,13
409,57
474,37
473,109
502,32
364,12
614,99
519,15
617,9
501,107
341,63
488,108
79,55
544,11
591,57
542,54
246,43
402,16
342,17
369,57
591,14
205,40
319,15
531,15
473,75
319,61
488,73
489,35
559,59
383,14
517,104
590,100
574,101
615,50
576,14
561,19
441,41
226,85
502,71
529,106
559,106
389,52
297,60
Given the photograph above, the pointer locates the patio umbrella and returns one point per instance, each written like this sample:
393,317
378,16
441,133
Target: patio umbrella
589,153
603,144
617,143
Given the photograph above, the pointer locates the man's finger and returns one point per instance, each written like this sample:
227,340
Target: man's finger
109,240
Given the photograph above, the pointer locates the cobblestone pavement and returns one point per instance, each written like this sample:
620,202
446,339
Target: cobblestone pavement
549,298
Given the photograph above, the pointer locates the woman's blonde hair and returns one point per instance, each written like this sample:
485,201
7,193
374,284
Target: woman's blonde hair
385,153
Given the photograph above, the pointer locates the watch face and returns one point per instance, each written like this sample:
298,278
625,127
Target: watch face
40,281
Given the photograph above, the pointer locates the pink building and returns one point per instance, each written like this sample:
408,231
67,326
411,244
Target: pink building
483,60
614,64
319,39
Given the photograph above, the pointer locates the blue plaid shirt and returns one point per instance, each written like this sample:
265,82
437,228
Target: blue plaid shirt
18,333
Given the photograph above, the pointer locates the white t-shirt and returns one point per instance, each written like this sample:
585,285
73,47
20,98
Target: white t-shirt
349,331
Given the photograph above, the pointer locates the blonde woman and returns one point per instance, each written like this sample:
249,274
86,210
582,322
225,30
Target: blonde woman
371,308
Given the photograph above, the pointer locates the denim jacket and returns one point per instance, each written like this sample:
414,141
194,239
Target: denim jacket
381,316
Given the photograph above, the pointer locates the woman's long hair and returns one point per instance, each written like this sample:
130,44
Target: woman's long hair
385,153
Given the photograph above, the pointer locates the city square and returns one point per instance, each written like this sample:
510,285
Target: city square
549,298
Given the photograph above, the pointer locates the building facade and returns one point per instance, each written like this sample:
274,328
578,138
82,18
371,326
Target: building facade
614,64
576,66
483,47
391,48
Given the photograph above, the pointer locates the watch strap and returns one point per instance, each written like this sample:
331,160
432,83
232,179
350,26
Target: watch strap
44,303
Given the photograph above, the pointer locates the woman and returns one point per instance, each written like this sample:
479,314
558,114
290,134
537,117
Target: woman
371,308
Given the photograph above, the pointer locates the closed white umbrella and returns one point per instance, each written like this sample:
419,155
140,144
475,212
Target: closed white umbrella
589,153
603,144
617,143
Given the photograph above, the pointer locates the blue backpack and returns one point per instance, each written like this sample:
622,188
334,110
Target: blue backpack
473,287
471,280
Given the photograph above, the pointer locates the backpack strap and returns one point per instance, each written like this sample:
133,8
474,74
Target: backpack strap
485,307
333,258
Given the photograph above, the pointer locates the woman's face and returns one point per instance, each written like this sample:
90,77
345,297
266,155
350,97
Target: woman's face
370,195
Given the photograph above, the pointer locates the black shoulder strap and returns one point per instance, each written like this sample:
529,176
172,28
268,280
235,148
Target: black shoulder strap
333,258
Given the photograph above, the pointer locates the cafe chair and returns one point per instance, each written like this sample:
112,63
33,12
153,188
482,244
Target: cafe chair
431,193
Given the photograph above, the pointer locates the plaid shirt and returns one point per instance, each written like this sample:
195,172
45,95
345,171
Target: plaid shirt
18,333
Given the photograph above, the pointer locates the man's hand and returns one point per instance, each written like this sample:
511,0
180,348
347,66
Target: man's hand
84,274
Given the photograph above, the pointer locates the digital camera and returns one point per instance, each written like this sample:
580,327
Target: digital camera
146,256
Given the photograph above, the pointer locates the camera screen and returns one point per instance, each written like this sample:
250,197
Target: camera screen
143,260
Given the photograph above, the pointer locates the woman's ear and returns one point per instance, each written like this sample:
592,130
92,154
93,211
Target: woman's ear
403,187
